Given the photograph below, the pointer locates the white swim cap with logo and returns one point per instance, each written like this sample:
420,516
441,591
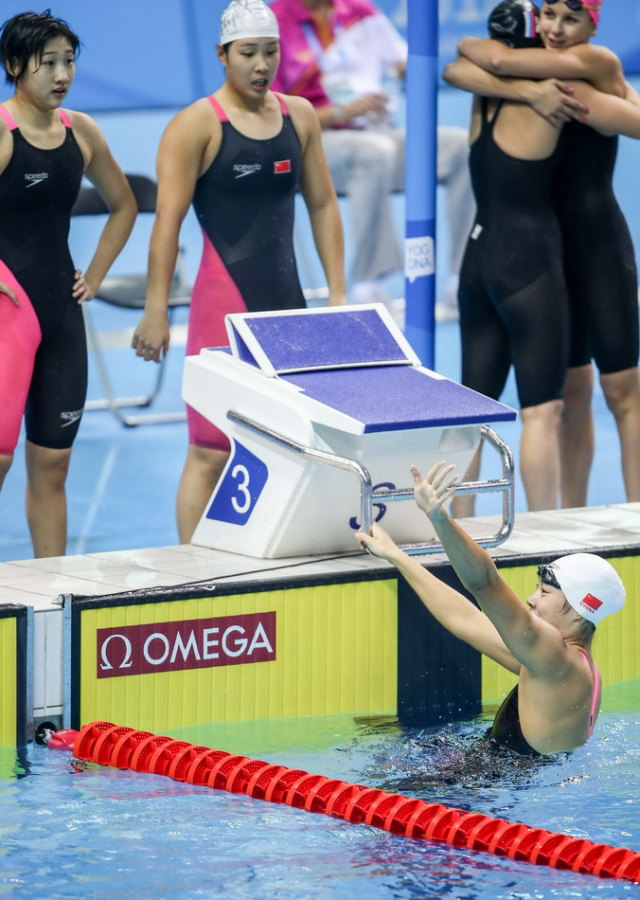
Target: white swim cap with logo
247,19
591,585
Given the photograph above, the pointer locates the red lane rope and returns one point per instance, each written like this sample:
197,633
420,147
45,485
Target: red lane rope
126,748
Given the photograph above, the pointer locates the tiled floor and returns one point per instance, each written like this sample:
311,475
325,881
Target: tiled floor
38,582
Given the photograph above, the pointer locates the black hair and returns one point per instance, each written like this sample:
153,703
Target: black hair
515,23
25,35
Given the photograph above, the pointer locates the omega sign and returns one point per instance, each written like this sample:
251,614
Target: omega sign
194,644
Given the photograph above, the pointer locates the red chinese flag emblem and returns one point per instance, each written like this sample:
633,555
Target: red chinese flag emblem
592,602
282,166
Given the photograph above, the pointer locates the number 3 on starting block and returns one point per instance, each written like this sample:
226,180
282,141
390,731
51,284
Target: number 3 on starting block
238,492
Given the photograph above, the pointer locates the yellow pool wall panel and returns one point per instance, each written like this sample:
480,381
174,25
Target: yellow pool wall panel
9,681
336,652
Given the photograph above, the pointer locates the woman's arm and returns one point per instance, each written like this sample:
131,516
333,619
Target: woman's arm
609,114
451,609
107,176
178,164
551,98
589,62
534,643
320,197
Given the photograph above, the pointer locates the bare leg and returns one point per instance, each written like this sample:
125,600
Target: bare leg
576,436
5,465
200,475
622,393
540,454
46,498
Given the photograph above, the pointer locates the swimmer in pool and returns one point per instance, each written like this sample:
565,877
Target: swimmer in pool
545,641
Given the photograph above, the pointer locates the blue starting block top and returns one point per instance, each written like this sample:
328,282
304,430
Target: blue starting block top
399,397
328,338
356,361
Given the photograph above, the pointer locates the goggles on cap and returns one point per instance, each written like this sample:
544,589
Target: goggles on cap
546,573
593,7
578,4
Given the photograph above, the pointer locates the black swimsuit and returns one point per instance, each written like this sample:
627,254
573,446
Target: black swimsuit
506,726
599,263
43,353
245,205
513,302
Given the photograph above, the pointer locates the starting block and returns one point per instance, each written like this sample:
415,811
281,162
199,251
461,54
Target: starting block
325,410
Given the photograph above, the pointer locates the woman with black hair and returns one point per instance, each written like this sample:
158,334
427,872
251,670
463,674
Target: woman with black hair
44,153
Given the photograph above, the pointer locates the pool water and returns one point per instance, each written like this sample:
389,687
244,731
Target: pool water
75,829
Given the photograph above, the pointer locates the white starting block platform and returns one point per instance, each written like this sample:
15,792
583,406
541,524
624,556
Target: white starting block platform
326,409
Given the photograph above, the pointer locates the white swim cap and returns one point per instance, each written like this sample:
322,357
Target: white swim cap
247,19
591,585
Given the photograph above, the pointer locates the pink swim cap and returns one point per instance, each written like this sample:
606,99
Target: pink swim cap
593,7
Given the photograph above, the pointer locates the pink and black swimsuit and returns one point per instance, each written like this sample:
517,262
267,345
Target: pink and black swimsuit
245,205
43,355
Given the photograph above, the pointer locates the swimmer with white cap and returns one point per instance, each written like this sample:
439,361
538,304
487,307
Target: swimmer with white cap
239,156
247,19
546,641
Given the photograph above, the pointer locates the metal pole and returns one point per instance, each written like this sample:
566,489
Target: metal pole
420,251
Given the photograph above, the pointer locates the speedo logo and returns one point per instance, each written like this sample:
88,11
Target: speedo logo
33,178
244,169
68,418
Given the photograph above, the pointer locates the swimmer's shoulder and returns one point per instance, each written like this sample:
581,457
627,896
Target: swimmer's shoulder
192,137
304,118
197,121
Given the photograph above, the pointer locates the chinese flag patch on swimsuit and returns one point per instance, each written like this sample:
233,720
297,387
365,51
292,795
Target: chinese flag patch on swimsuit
592,602
282,166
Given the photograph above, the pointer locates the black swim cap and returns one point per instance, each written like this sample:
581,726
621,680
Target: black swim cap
515,23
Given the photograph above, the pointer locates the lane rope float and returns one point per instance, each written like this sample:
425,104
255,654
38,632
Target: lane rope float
143,751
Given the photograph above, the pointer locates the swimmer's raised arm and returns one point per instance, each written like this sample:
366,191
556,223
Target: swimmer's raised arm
451,609
534,643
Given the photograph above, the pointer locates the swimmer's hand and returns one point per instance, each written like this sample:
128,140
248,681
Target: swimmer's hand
431,492
554,101
379,543
11,294
151,337
82,290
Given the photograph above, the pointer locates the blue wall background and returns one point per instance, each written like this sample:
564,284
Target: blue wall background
141,54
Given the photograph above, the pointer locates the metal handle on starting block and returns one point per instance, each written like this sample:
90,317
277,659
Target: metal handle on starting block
368,495
502,485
